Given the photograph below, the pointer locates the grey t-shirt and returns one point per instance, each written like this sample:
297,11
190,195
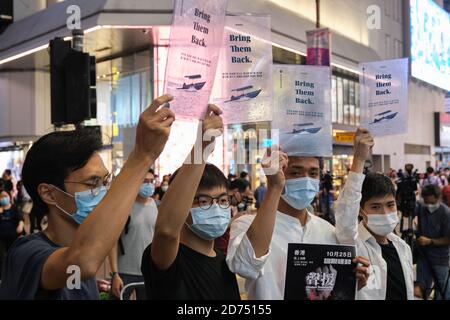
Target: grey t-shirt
140,234
21,276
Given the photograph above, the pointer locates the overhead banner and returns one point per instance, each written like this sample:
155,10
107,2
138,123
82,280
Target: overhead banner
243,86
318,47
320,272
302,109
195,42
384,96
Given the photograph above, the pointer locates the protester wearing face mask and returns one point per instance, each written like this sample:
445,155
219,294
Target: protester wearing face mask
11,224
181,262
126,257
258,244
67,180
433,241
372,197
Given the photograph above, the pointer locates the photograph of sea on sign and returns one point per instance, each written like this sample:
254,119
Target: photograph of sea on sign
242,95
384,116
192,85
301,128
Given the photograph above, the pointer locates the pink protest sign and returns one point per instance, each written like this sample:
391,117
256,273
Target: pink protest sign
318,52
195,42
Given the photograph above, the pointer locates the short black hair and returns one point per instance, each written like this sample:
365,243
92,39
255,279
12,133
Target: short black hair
243,175
431,190
239,184
430,170
53,157
8,172
212,177
376,185
151,171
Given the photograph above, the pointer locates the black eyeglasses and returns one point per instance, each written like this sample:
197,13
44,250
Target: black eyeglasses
97,183
205,202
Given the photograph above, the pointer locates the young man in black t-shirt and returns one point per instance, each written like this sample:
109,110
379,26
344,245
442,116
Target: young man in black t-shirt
181,263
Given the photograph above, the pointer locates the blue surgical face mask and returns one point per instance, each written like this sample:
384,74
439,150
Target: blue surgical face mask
299,193
85,201
211,223
4,201
147,190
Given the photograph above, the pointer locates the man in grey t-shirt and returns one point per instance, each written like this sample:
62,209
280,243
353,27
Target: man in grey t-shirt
125,258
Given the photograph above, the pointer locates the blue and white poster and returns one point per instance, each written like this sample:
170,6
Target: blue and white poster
302,109
243,86
384,96
195,42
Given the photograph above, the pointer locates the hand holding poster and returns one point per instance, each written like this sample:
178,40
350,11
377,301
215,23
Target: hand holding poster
302,109
195,42
320,272
243,86
384,96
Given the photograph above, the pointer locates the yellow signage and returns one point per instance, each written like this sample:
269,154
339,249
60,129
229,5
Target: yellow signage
345,137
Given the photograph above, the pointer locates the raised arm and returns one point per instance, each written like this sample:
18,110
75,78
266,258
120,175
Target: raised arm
97,235
177,201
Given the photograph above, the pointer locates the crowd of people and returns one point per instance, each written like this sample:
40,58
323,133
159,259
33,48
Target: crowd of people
190,235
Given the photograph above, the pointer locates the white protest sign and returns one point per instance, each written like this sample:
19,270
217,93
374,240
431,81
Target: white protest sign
384,96
195,42
243,86
302,109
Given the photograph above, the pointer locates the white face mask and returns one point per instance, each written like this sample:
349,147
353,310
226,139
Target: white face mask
432,207
382,224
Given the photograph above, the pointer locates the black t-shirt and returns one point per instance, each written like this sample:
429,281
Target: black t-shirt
192,276
9,220
21,276
396,286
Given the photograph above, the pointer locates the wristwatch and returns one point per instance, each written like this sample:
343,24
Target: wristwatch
113,274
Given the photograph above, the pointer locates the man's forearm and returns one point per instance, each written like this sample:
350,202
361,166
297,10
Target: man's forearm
113,259
441,242
261,230
358,165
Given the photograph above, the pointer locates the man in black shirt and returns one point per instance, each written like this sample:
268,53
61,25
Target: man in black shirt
433,242
67,180
181,263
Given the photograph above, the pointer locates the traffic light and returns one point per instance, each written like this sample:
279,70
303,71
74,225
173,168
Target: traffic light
73,80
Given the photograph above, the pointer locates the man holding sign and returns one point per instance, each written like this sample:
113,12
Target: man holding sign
258,245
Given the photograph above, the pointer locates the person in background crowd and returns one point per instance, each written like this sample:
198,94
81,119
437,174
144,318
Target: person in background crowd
433,241
126,257
181,262
8,183
260,192
244,175
231,177
11,224
24,204
241,195
431,179
446,193
87,210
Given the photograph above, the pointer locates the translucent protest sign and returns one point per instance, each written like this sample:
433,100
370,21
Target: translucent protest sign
384,96
195,41
302,109
243,86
